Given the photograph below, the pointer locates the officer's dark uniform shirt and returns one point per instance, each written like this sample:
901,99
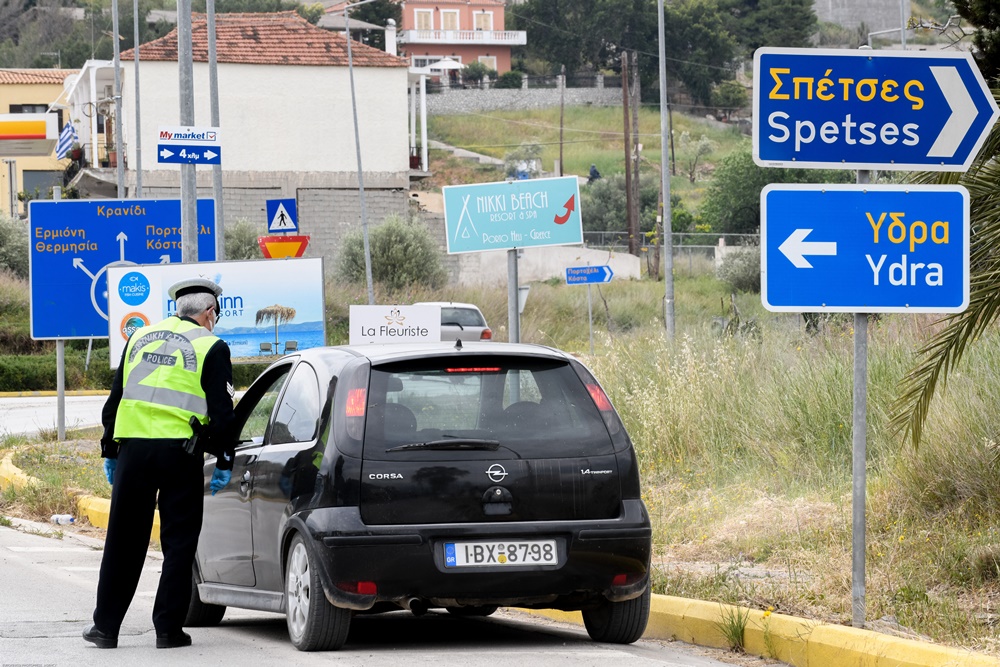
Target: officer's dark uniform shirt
216,381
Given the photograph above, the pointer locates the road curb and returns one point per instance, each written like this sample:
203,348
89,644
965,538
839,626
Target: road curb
97,510
796,641
46,393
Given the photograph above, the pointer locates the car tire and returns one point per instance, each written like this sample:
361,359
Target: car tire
480,611
201,614
618,622
313,623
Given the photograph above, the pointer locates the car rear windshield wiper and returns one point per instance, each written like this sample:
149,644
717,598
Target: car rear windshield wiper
450,444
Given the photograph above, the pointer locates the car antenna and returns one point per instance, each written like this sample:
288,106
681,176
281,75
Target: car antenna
458,343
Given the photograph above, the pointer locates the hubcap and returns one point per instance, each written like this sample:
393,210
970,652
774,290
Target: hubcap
297,590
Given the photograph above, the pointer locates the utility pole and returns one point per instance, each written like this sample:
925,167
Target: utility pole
633,231
562,110
628,156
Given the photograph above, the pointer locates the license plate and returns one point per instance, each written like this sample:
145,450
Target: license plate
500,553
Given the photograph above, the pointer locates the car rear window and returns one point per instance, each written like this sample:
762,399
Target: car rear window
530,407
464,316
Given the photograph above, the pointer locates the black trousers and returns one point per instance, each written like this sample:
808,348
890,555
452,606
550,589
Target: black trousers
147,468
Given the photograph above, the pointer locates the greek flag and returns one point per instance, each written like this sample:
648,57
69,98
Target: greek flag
67,138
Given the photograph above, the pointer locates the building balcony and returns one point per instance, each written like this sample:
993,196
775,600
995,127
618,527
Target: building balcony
472,37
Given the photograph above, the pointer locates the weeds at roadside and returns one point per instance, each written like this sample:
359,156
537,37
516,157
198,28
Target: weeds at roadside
732,624
6,522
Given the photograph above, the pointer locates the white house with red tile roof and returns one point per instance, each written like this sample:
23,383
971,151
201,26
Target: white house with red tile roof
286,122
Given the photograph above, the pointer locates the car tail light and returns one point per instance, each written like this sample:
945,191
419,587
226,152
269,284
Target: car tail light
357,403
474,369
603,404
619,580
486,335
359,587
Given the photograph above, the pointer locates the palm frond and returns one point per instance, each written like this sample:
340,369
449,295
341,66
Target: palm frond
940,356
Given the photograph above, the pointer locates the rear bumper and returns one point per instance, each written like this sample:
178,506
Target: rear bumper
407,562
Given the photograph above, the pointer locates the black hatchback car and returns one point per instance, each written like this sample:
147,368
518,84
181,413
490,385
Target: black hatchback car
426,476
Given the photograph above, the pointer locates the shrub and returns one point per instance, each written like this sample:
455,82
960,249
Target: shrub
740,269
474,72
241,240
14,246
509,79
402,254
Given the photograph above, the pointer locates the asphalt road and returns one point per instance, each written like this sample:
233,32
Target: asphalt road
31,414
47,588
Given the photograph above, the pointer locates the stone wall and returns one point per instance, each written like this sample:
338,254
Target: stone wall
875,14
467,100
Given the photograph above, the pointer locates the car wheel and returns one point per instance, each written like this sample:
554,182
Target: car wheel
473,611
201,614
618,622
313,623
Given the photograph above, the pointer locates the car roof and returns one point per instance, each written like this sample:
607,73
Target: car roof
450,304
388,352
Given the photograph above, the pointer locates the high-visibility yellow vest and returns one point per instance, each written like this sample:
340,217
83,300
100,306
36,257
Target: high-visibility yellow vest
162,380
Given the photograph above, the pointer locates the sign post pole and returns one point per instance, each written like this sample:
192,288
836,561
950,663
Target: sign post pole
513,317
859,471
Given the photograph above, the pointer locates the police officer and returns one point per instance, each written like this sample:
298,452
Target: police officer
169,373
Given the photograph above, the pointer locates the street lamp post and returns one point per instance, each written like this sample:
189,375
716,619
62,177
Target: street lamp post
357,144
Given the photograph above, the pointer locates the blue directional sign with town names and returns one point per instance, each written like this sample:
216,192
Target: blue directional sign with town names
865,248
863,109
513,214
73,242
586,275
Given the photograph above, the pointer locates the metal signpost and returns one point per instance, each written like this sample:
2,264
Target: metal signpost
588,275
510,215
840,109
73,242
189,145
910,110
865,248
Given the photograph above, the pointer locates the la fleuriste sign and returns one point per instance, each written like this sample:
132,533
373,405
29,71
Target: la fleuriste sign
863,109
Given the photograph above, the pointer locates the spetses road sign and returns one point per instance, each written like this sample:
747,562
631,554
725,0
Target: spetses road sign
585,275
865,248
189,145
513,214
73,242
832,108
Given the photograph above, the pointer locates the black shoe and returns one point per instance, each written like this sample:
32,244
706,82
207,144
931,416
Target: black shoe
173,639
100,639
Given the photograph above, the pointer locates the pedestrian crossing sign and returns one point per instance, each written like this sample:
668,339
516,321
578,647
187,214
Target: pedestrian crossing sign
281,215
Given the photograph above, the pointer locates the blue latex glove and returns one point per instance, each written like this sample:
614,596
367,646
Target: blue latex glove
219,480
110,465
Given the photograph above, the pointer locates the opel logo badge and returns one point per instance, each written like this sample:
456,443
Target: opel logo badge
496,472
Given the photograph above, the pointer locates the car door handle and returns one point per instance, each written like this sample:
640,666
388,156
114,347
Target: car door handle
246,477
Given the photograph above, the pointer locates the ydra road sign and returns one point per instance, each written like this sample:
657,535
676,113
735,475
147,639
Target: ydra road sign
832,108
865,248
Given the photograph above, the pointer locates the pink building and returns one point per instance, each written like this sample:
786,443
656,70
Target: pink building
461,30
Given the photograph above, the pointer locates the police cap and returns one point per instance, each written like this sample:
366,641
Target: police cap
193,286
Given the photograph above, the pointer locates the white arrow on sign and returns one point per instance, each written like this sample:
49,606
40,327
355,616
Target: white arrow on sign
209,154
795,247
607,273
164,153
963,112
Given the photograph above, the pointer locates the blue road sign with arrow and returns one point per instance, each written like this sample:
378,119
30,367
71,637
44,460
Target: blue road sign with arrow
865,248
189,145
585,275
847,109
73,242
